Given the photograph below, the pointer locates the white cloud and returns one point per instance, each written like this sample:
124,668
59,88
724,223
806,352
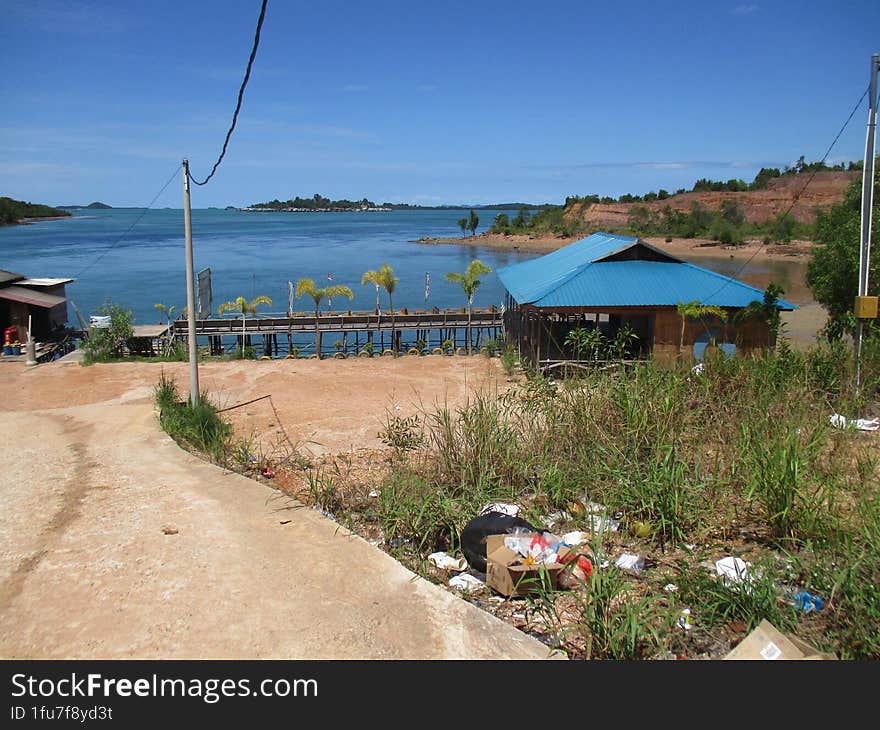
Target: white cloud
744,10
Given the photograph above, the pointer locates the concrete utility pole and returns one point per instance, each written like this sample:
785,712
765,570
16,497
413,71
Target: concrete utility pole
865,306
190,293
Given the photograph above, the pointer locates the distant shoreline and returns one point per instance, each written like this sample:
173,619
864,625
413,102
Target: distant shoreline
683,247
28,221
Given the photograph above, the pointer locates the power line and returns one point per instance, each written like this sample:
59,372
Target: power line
247,75
798,194
129,229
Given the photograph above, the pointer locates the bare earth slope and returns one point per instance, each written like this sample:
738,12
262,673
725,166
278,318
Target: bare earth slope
758,206
115,543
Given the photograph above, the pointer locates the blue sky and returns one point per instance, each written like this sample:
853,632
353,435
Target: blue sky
454,102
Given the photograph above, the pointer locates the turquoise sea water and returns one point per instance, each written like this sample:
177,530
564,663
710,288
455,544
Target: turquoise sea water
249,254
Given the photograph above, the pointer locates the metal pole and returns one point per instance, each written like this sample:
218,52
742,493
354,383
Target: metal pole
867,208
190,293
31,347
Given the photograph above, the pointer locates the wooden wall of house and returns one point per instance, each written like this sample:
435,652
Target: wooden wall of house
749,337
534,342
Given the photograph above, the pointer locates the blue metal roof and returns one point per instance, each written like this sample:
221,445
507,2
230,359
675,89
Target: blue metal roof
578,275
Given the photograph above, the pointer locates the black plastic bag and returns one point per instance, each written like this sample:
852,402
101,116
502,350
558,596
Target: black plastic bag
473,536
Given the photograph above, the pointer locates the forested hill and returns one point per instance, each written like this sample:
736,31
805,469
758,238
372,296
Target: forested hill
15,211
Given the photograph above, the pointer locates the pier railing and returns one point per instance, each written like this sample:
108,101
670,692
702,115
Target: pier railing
341,322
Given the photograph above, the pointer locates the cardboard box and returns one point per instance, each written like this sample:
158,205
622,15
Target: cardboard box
517,580
766,642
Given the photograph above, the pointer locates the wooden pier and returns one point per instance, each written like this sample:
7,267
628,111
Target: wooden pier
432,328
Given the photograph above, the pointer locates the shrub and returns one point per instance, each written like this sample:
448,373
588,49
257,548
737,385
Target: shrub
105,344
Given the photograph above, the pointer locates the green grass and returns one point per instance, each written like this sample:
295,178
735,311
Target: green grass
742,457
199,427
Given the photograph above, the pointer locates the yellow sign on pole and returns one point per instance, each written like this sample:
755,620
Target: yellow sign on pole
866,308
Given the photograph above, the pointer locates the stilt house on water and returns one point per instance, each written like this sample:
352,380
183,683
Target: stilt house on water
605,282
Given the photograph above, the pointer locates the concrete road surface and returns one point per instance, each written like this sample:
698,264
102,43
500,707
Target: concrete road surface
115,543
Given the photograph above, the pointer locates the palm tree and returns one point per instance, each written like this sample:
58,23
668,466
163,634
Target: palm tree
470,281
385,278
245,307
695,310
473,222
166,310
306,287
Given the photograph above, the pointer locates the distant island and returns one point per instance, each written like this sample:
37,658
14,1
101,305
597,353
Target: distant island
318,203
13,212
315,204
90,206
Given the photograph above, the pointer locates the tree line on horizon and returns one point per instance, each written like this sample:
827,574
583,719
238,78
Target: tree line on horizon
316,202
736,185
12,211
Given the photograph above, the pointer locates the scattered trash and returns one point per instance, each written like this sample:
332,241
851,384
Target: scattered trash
599,519
768,643
641,529
556,517
252,459
328,515
698,368
169,530
398,542
603,524
374,493
444,561
575,577
802,600
576,537
733,571
670,588
595,514
860,424
466,582
268,472
684,619
737,626
503,508
285,522
634,564
473,536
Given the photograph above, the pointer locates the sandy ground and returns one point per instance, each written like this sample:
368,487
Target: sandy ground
115,543
325,406
686,248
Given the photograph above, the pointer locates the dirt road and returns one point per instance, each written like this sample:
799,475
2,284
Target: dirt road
114,543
